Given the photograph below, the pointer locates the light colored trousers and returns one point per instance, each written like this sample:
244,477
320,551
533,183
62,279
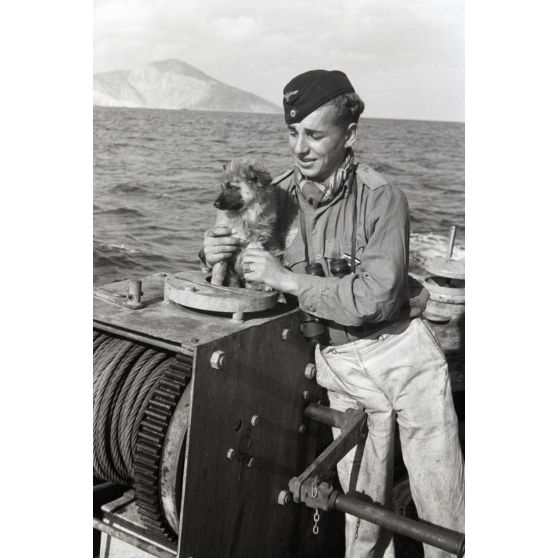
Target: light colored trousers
399,375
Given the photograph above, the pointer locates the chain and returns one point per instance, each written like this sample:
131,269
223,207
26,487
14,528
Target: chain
316,529
356,530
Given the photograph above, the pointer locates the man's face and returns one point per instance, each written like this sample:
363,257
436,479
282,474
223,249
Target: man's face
318,144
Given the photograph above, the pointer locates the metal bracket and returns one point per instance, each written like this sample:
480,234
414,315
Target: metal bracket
130,294
353,429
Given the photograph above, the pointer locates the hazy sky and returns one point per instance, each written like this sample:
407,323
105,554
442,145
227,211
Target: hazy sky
405,58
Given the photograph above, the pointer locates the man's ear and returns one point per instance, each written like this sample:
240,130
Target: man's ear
351,134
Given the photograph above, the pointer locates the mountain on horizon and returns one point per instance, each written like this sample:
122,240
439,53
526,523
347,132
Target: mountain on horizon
173,84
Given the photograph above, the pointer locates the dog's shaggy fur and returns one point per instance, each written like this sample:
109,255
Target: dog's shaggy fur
248,205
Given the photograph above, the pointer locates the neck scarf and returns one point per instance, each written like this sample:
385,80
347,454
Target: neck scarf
319,193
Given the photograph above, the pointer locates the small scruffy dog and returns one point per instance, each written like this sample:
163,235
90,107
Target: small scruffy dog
248,205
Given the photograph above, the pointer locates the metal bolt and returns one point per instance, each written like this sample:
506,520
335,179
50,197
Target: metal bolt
301,429
230,454
238,316
286,334
217,359
284,497
310,371
254,420
305,395
251,462
134,293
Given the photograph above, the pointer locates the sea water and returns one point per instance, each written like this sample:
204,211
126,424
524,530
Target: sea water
156,175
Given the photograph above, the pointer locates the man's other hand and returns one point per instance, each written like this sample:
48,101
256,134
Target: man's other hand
219,244
260,266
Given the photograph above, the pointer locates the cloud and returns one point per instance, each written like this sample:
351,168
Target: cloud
388,46
235,29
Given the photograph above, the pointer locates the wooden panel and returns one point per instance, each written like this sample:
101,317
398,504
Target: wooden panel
229,509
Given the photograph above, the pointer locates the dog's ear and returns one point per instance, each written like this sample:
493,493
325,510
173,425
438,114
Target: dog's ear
258,175
224,166
252,173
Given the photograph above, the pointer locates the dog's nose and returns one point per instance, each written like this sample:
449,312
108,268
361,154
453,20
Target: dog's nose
217,203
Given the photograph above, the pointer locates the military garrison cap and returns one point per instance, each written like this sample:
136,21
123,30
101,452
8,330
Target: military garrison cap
310,90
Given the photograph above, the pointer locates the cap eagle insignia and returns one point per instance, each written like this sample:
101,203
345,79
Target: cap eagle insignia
289,94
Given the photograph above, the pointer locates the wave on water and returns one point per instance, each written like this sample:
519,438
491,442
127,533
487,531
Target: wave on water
424,246
386,168
116,262
109,247
129,188
121,212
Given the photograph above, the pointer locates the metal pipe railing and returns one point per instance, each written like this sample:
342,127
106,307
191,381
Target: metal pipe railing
325,415
132,539
434,535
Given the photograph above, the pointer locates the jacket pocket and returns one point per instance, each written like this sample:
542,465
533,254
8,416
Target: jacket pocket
430,340
294,254
334,250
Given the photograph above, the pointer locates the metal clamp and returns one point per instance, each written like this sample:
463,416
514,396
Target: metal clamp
353,429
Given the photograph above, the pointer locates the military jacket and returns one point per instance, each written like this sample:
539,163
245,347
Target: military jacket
378,291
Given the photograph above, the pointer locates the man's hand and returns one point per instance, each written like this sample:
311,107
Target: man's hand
219,244
260,266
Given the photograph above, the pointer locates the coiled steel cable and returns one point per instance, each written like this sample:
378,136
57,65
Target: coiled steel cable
125,375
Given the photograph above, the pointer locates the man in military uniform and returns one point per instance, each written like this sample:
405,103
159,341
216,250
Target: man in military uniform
378,355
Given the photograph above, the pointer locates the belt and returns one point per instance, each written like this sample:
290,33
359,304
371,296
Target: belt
339,334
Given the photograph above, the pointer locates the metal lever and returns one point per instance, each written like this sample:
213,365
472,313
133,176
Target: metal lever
353,429
434,535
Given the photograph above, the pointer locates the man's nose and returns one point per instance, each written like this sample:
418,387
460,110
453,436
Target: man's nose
300,147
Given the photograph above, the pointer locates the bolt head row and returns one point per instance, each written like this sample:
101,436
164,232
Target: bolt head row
232,453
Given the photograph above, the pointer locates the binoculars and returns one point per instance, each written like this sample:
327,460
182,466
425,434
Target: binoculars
313,328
